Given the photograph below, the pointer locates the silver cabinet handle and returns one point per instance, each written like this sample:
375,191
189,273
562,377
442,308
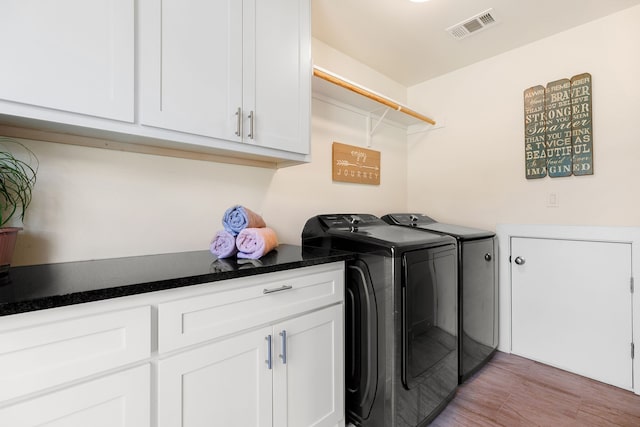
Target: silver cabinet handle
283,355
520,260
238,121
268,361
487,256
251,119
280,289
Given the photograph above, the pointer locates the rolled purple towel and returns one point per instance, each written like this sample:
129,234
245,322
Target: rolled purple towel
237,218
253,243
223,244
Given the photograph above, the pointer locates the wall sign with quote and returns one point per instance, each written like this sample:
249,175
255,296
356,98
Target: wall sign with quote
355,164
558,128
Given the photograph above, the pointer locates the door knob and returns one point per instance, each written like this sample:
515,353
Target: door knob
520,260
487,256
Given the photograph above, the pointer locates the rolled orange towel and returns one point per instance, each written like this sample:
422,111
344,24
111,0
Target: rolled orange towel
253,243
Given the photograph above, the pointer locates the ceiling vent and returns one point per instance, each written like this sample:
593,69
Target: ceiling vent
472,25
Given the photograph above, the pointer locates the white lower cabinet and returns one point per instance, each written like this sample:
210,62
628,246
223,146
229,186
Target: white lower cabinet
225,383
572,306
288,374
263,351
40,350
309,388
117,400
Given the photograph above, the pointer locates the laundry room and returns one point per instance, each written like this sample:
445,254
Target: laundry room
132,186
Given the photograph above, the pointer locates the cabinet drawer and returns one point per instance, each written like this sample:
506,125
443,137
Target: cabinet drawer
253,302
55,350
118,400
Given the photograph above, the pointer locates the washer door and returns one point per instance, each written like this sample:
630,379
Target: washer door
361,341
429,316
479,304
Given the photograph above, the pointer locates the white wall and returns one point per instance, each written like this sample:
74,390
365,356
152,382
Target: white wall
93,203
297,193
335,61
472,170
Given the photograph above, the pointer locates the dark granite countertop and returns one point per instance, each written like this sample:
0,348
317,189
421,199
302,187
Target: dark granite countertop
44,286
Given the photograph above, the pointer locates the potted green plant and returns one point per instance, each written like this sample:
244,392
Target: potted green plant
18,170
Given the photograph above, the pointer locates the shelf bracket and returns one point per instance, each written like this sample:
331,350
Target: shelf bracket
371,130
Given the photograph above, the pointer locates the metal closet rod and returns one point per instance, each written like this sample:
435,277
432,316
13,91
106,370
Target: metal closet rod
361,91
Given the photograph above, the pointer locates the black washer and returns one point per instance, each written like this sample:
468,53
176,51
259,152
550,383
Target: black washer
401,343
477,287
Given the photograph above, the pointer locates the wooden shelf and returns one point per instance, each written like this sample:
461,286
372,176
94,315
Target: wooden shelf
327,84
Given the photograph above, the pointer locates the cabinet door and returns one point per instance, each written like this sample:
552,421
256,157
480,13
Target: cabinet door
226,383
571,306
118,400
191,66
309,384
277,73
70,55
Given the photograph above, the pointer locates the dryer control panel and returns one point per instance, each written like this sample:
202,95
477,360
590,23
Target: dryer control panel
349,221
412,219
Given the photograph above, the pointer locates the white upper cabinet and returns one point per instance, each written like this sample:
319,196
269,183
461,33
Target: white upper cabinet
226,79
231,70
191,66
68,55
279,66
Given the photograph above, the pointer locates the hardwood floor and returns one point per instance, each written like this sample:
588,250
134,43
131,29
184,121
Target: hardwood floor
512,391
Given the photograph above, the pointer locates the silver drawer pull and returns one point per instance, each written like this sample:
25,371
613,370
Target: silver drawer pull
281,288
251,120
238,121
283,350
268,361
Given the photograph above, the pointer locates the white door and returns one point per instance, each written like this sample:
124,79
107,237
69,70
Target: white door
571,306
191,66
118,400
278,73
69,55
308,386
226,383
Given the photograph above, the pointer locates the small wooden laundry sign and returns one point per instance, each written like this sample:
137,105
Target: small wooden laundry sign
558,134
355,164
